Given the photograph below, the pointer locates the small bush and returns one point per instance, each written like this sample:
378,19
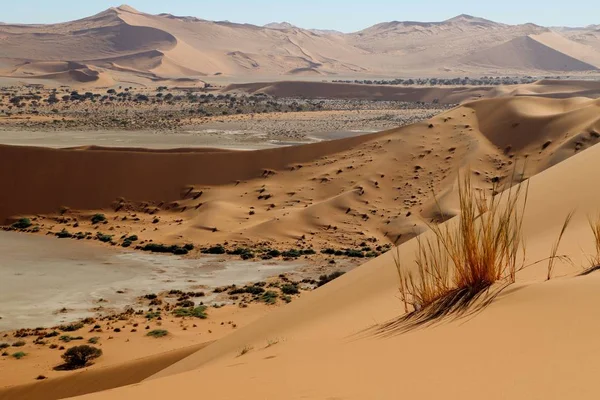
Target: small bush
157,333
71,327
20,343
197,312
97,218
94,340
218,249
4,346
289,288
64,234
104,238
22,223
269,297
18,355
67,338
323,279
292,253
80,356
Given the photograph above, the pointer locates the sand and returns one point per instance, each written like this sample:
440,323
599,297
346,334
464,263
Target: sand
123,45
536,340
527,344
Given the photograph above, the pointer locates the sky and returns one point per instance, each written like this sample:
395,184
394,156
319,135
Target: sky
342,15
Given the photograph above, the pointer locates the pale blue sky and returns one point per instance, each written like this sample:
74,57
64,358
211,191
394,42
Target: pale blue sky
343,15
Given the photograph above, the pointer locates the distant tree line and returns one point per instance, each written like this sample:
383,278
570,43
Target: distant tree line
462,81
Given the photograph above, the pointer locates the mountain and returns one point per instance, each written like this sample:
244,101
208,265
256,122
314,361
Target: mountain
125,45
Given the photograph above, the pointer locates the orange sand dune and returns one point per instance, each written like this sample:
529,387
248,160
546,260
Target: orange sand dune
536,340
340,192
194,48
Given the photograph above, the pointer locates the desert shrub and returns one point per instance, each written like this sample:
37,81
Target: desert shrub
22,223
51,334
289,288
269,297
274,253
188,246
104,238
323,279
251,289
67,338
64,234
18,355
153,314
161,248
329,251
19,343
4,346
292,253
80,356
218,249
97,218
94,340
157,333
354,253
132,238
71,327
197,312
308,251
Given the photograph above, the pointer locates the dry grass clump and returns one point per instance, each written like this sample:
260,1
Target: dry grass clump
594,259
464,258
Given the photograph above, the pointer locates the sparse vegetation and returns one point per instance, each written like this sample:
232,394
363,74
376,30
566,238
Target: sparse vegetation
18,355
97,218
80,356
157,333
462,260
22,223
323,279
197,312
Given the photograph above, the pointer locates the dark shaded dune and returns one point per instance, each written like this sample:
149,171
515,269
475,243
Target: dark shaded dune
41,180
316,90
95,380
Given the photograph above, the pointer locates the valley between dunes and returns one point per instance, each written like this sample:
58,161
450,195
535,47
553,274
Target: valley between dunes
537,339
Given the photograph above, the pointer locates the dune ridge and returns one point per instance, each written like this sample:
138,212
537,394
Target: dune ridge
162,47
538,338
343,192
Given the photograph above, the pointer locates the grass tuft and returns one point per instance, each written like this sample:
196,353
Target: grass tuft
464,258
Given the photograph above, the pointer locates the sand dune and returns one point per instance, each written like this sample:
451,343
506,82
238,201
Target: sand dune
337,192
174,47
526,344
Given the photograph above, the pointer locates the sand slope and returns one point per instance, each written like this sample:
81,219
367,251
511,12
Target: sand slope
168,47
530,343
341,192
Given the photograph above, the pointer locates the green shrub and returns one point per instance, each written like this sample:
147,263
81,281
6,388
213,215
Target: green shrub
197,312
104,238
67,338
292,253
64,234
157,333
161,248
94,340
323,279
80,356
218,249
22,223
71,327
96,218
269,297
289,288
153,314
18,355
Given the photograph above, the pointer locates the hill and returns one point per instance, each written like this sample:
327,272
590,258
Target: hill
124,44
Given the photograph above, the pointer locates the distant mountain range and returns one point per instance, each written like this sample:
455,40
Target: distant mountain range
124,45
